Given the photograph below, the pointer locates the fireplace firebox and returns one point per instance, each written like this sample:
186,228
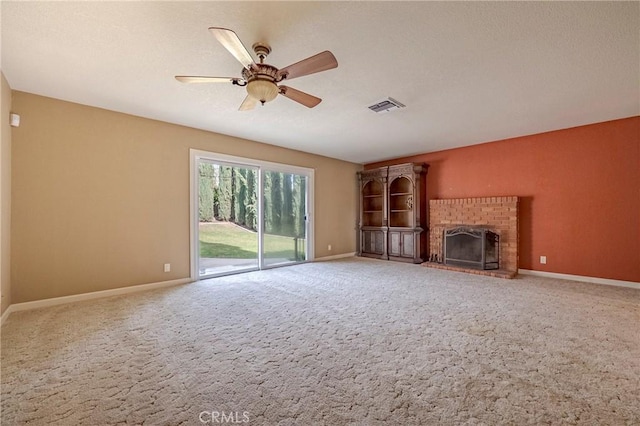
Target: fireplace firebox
471,247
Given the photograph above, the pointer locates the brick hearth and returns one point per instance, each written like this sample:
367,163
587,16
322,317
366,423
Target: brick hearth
500,214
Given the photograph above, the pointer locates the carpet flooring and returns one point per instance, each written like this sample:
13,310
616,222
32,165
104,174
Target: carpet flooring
347,342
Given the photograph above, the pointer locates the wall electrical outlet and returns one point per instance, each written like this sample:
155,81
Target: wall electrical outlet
543,260
167,267
329,247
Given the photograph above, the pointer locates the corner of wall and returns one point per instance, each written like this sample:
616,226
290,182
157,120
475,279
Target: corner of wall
5,196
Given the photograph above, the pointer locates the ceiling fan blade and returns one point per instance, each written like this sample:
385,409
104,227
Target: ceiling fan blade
303,98
232,43
248,103
203,79
321,62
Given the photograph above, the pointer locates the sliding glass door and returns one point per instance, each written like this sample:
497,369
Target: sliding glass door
227,222
247,214
284,216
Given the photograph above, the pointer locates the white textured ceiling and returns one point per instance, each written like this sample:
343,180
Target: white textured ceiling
468,72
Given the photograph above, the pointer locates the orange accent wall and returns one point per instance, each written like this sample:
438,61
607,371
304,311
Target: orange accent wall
579,189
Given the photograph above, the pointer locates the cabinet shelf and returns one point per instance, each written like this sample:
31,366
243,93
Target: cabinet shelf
373,211
400,211
394,194
372,196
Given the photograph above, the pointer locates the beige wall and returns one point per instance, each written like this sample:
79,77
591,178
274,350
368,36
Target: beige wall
5,196
101,199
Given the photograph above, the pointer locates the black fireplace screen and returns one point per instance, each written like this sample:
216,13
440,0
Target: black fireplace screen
476,248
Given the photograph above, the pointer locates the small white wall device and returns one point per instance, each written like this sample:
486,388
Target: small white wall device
14,119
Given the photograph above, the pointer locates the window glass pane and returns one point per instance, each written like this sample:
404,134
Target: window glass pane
284,218
227,224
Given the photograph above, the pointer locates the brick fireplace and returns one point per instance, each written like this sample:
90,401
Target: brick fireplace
499,214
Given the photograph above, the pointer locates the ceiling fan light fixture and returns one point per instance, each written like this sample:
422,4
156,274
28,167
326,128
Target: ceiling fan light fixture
262,90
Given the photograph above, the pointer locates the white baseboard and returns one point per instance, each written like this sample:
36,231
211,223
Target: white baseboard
90,296
5,315
593,280
334,257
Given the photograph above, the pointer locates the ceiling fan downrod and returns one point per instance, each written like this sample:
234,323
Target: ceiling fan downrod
262,50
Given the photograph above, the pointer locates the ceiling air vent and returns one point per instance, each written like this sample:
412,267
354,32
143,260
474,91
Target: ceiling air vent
386,105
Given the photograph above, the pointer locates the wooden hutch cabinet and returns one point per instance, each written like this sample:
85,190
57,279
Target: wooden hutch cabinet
393,213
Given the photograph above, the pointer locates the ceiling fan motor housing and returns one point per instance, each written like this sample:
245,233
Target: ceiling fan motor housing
261,82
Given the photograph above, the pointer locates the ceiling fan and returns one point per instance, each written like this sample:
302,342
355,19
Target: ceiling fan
262,79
